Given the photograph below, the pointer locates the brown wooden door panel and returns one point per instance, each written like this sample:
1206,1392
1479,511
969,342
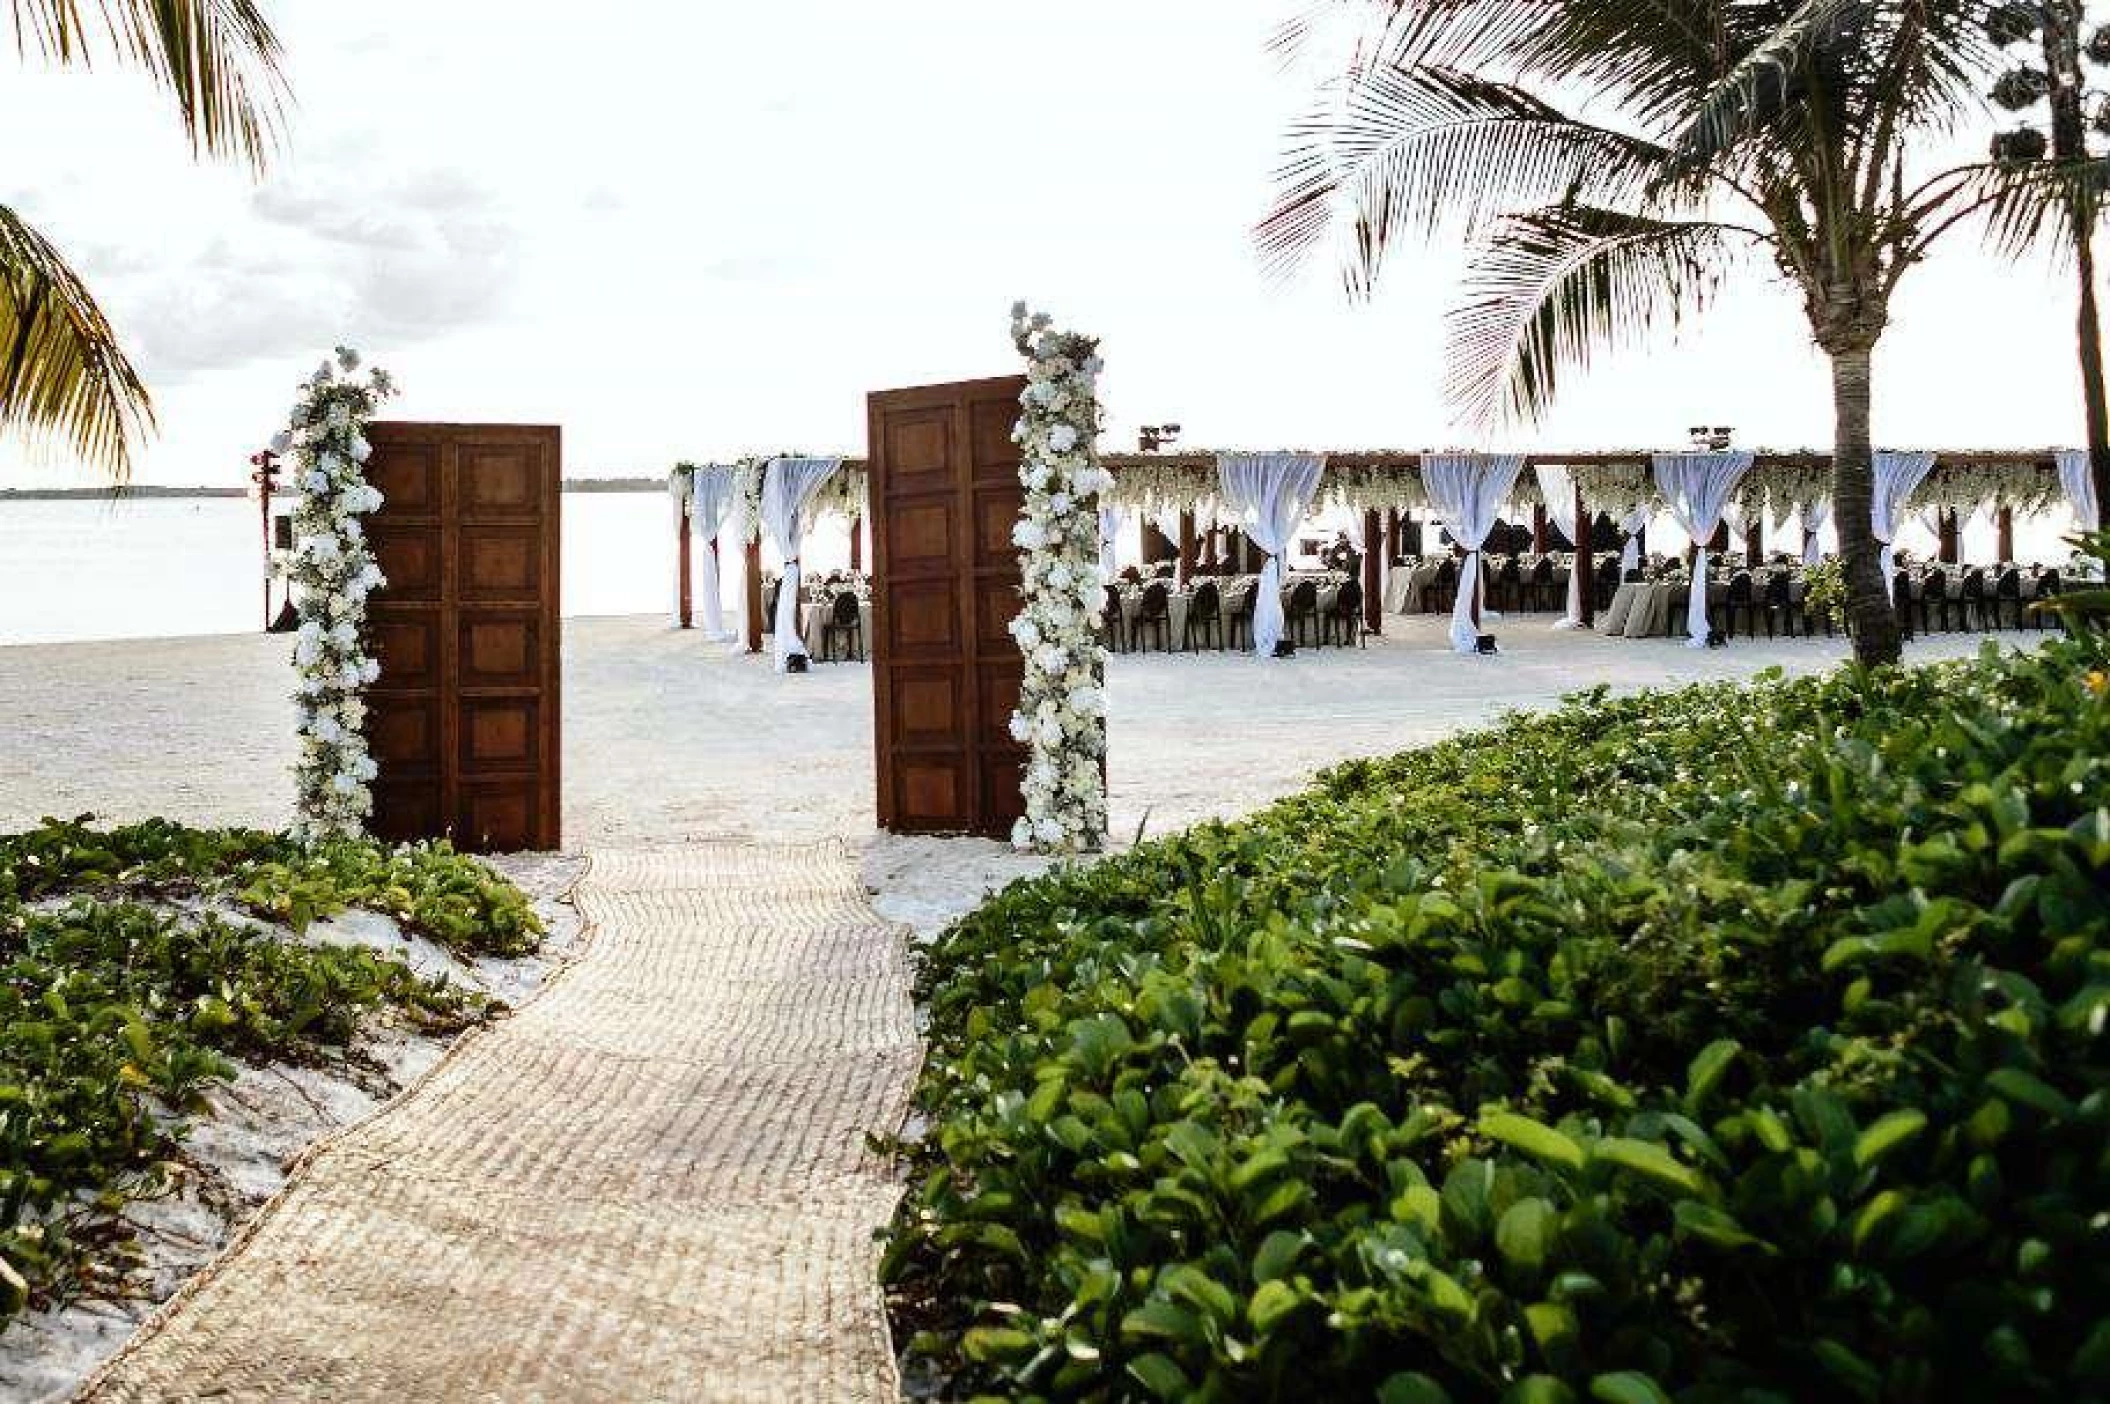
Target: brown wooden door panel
946,672
464,719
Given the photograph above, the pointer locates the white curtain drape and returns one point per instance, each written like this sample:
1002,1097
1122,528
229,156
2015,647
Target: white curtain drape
709,506
1269,492
1557,486
1109,534
1631,526
1816,516
787,488
1898,475
1466,489
1696,487
2079,483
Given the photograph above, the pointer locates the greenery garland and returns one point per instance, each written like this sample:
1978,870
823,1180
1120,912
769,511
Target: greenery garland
332,572
1062,703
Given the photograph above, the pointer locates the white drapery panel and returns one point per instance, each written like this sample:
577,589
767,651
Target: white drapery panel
1557,486
1109,534
2079,483
1696,487
1466,490
1631,526
1270,493
787,488
709,506
1816,516
1898,475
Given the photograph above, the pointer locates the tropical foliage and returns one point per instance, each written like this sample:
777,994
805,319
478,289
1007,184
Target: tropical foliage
64,379
125,992
1724,1044
1725,135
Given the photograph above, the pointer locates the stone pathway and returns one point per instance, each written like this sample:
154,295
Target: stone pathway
649,1184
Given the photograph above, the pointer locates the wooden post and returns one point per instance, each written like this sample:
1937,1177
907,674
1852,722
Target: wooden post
1585,561
1538,530
1950,551
857,544
1392,537
1373,573
1755,544
2005,547
1186,545
754,595
685,590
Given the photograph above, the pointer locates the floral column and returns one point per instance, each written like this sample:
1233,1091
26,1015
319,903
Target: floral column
332,572
1062,703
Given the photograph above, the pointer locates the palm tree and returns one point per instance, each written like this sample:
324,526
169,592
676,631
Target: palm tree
65,380
1730,128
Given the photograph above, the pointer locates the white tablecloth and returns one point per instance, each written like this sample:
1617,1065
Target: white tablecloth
813,619
1176,602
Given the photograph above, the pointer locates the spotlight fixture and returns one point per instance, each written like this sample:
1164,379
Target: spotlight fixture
1152,437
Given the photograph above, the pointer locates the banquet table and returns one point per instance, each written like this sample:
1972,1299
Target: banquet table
1176,602
1405,584
1647,609
813,619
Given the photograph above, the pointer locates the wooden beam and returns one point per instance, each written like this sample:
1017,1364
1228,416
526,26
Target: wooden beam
754,595
1950,551
685,590
857,544
1186,545
1754,543
1373,572
1391,537
1538,529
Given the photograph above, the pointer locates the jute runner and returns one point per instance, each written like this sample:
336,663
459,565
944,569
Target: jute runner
650,1184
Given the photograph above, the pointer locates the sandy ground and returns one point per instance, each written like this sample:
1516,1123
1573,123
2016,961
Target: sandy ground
669,737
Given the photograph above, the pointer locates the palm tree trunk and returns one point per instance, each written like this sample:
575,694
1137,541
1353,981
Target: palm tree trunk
2069,143
1868,607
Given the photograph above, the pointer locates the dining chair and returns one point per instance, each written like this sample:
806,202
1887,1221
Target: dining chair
1345,619
845,622
1154,618
1303,609
1204,616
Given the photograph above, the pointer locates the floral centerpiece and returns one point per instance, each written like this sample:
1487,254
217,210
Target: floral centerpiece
331,570
1062,703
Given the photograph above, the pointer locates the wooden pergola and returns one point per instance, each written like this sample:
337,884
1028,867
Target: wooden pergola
1382,528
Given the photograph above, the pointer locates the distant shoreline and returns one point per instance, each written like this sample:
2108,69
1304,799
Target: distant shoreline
146,490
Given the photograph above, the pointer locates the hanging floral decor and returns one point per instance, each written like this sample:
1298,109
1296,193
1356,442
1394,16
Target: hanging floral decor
2025,489
331,571
748,475
1062,703
842,494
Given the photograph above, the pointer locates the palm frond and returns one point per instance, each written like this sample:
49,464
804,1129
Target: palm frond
1554,287
64,380
2022,205
220,60
1771,78
1415,149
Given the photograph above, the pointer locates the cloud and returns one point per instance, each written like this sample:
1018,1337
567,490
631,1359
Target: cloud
312,260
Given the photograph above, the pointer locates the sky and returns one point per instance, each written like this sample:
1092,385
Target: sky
693,231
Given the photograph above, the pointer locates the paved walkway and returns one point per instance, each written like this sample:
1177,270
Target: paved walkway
650,1184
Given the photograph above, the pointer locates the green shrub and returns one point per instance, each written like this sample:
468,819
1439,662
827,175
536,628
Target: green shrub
1725,1044
117,1017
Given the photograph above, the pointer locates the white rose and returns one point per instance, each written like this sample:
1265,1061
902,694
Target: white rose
1062,438
1021,729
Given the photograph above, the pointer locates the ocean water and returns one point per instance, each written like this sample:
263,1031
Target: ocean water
172,567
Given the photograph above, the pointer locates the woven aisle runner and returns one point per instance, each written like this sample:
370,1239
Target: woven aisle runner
650,1184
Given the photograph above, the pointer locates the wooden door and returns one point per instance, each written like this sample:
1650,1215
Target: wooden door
946,672
463,722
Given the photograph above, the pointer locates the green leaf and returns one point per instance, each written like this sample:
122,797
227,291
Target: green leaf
1649,1161
1707,1070
2030,1091
1271,1302
1160,1318
1525,1232
1159,1375
1412,1387
1538,1389
1534,1138
1887,1134
1627,1387
1704,1221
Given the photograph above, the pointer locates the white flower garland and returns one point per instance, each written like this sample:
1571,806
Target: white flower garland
1062,703
332,572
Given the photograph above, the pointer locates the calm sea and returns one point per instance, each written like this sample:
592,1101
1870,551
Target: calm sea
169,567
